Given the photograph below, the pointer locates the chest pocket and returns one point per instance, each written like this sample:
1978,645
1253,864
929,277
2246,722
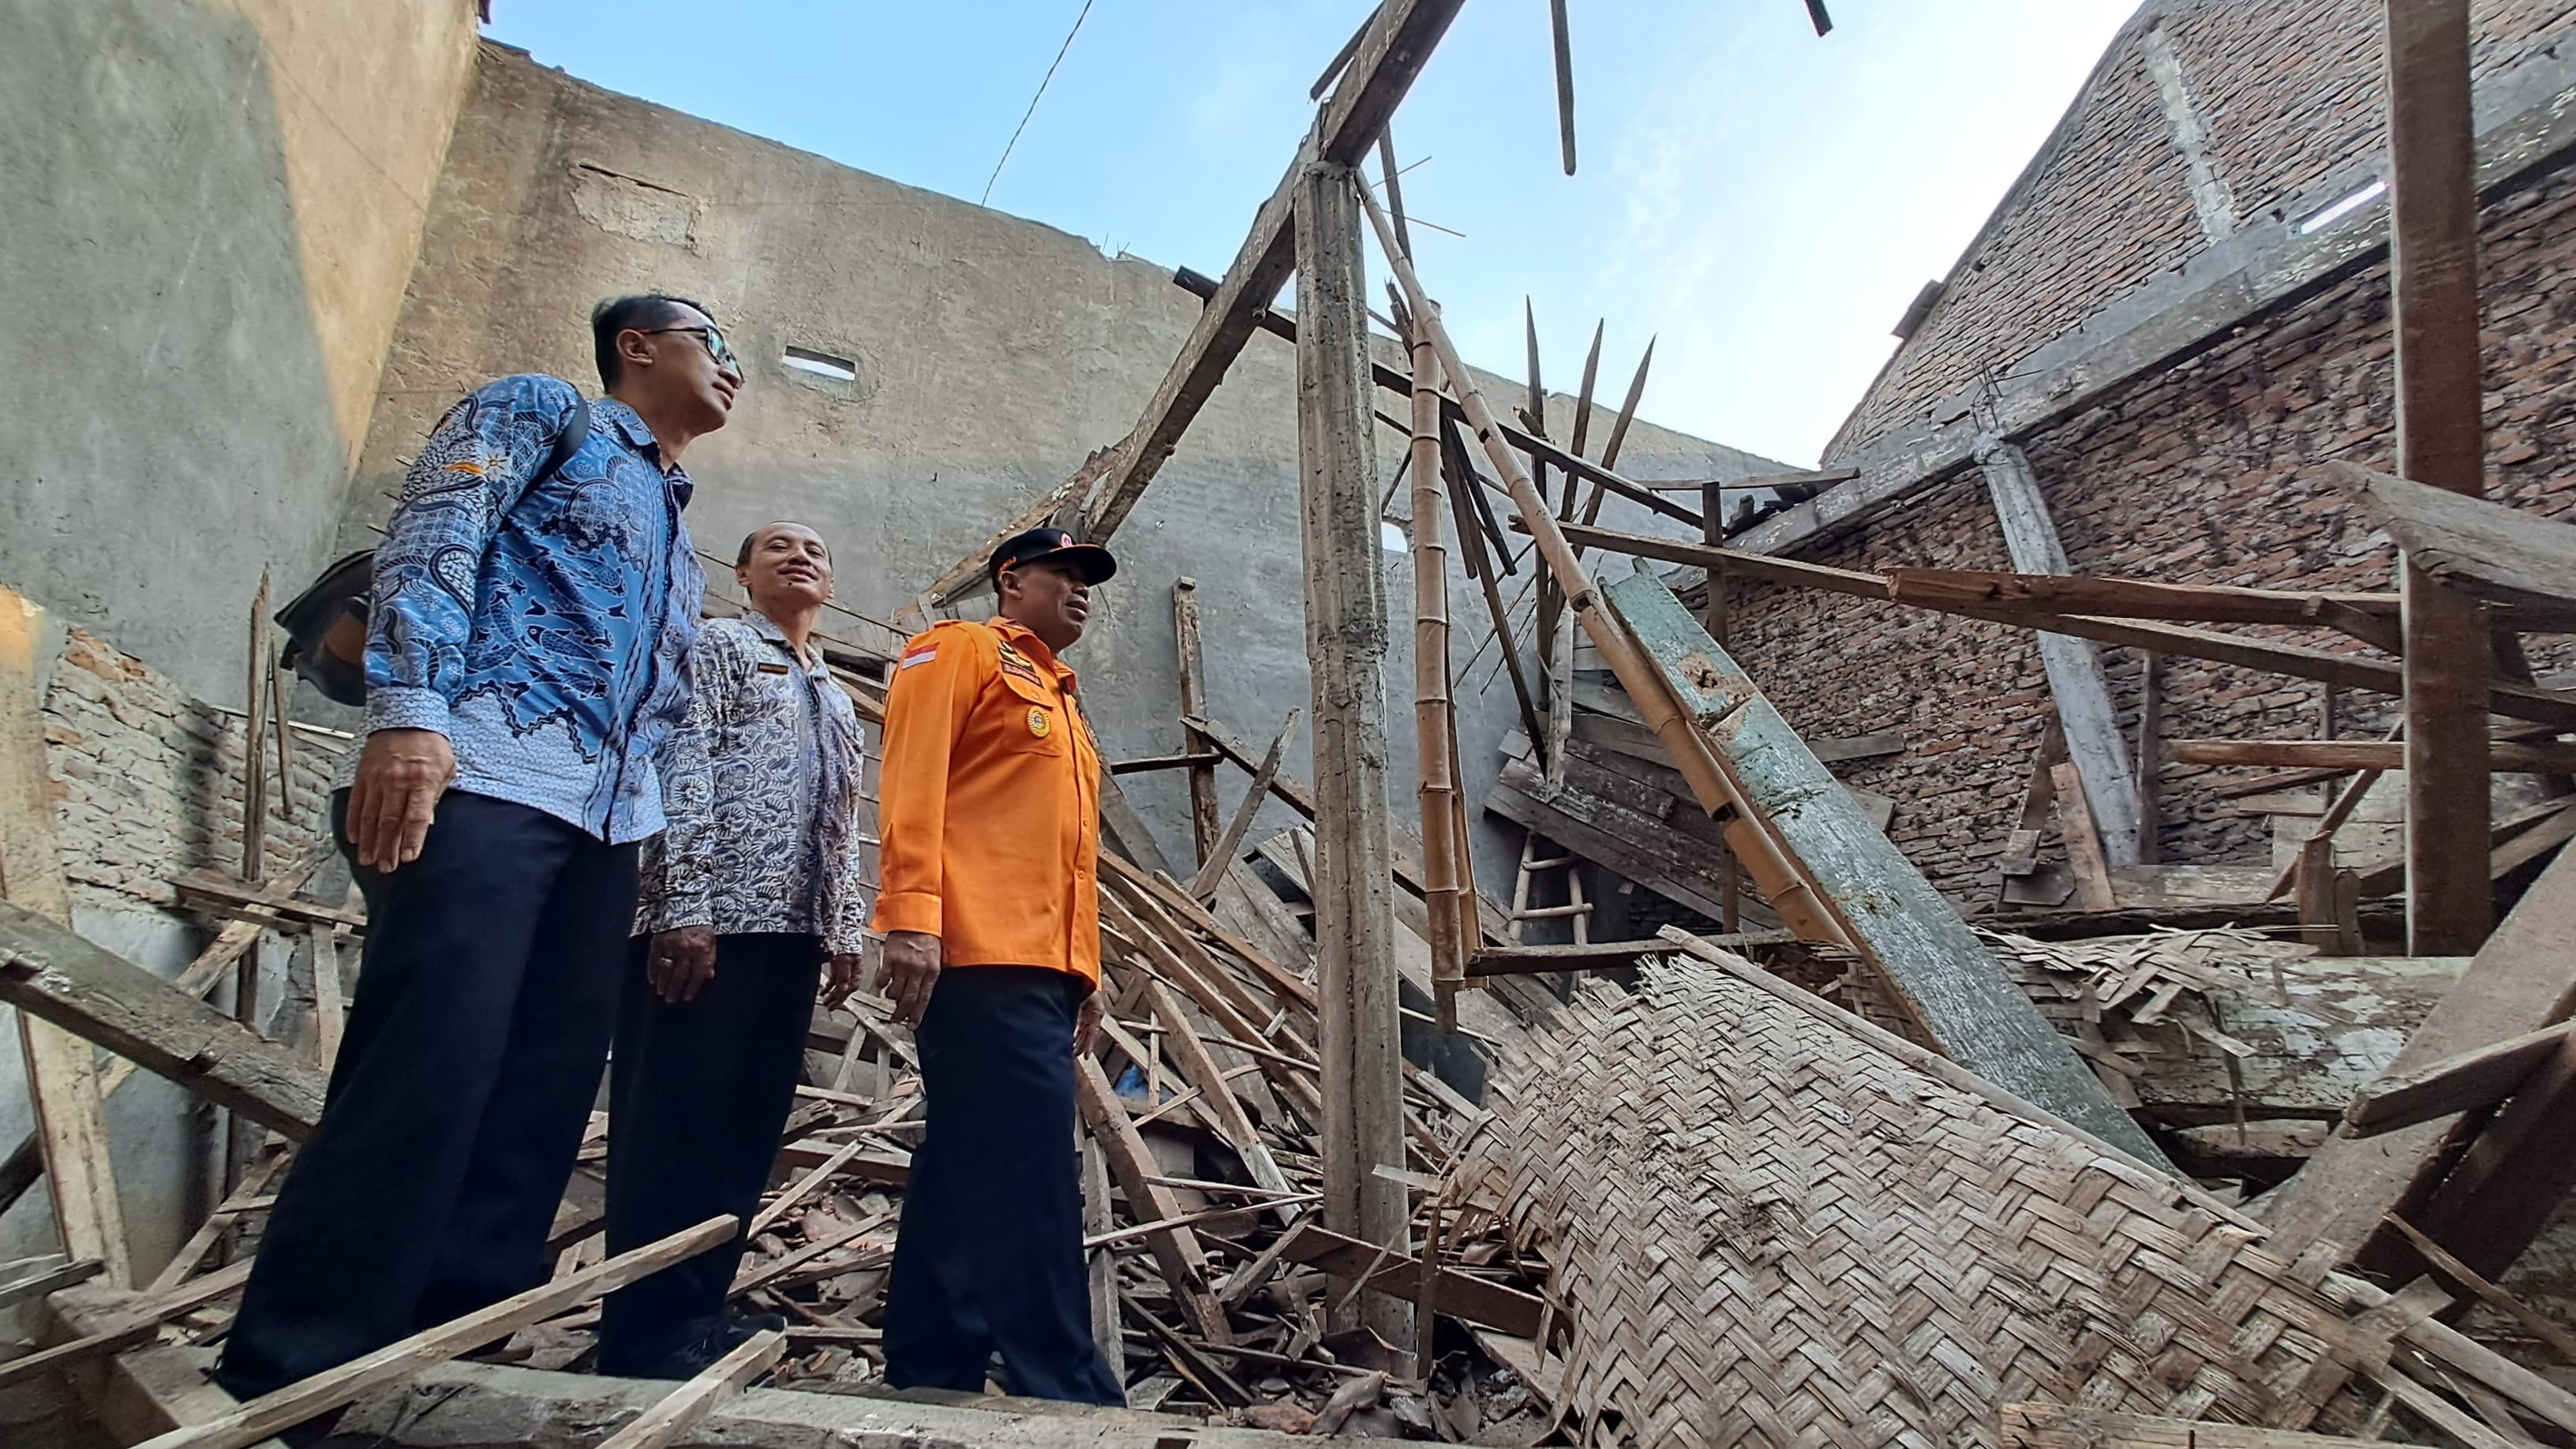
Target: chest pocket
1034,723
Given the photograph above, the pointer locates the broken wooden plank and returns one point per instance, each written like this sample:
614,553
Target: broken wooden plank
2055,1426
1958,993
2490,551
43,1280
690,1403
1212,868
301,1401
140,1324
2075,826
1176,1249
1148,764
2496,1198
2523,979
1399,1275
1125,831
2462,1083
84,988
1205,821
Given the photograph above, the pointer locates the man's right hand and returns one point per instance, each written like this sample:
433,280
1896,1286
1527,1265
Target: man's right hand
910,969
401,774
684,960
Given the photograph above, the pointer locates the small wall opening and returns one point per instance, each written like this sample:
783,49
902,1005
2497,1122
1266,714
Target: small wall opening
821,364
2346,207
1391,537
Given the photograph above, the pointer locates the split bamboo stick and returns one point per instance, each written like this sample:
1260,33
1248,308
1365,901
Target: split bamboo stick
1443,894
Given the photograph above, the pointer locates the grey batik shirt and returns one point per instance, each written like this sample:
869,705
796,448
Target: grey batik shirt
762,789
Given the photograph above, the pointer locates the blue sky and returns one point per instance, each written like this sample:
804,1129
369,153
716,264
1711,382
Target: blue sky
1764,201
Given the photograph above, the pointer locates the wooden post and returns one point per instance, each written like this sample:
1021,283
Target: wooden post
1205,819
1102,1264
2151,727
62,1069
1346,637
2433,265
1434,720
1712,526
2074,666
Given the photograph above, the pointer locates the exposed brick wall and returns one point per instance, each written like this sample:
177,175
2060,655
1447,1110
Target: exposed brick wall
148,782
2286,93
2205,473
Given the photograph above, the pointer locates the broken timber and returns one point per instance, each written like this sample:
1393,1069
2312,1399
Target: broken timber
1953,987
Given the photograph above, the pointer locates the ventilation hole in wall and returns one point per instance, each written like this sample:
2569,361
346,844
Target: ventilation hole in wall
1390,536
822,364
2341,209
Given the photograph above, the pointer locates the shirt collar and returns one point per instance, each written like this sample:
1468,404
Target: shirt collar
1022,638
630,426
767,628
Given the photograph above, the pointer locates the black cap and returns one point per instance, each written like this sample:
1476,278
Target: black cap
1039,543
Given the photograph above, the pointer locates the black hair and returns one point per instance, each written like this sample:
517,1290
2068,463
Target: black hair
743,558
643,310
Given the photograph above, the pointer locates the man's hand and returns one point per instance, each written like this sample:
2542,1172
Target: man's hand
401,774
910,969
1086,1022
840,978
684,961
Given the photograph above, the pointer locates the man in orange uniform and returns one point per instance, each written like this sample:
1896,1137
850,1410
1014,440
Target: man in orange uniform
989,902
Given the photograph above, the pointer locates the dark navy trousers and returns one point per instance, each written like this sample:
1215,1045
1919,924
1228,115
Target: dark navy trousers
463,1087
698,1092
989,1257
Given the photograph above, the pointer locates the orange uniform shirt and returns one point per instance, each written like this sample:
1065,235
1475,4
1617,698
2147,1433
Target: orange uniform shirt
989,809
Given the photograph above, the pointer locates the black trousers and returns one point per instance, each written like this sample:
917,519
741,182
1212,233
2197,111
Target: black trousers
989,1258
464,1083
697,1094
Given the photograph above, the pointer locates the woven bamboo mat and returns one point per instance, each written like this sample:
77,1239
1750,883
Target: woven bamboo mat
1768,1232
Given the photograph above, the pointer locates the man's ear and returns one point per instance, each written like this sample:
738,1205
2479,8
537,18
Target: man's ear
634,348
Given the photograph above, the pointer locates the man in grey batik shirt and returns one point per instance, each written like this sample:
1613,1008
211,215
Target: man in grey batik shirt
749,893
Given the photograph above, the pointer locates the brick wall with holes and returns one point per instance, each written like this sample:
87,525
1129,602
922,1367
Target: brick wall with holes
2205,473
2284,93
147,782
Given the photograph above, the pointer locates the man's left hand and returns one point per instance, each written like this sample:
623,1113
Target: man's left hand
841,978
1086,1022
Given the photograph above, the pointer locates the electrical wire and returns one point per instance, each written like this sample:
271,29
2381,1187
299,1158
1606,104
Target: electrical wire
1033,103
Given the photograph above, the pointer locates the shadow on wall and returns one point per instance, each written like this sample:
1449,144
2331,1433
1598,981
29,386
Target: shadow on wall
171,428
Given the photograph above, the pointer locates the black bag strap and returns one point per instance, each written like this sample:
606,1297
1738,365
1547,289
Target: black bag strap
576,432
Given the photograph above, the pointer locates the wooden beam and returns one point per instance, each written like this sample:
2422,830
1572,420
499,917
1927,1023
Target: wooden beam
2462,1083
62,1071
140,1324
1957,992
2545,706
2130,598
301,1401
1599,955
50,973
44,1280
2503,757
2524,978
1439,795
1193,761
1205,817
2517,1171
2074,666
1202,887
2083,837
1124,831
2520,564
1398,1275
1391,53
1346,641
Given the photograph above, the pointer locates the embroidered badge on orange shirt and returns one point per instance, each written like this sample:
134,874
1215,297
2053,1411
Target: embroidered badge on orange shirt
1037,721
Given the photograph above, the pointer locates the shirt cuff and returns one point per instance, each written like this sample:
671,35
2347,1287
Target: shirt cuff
908,911
399,707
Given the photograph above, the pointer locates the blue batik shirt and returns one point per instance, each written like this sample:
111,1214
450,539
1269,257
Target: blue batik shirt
541,624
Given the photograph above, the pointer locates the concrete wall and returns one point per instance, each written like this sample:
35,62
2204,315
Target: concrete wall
213,207
993,354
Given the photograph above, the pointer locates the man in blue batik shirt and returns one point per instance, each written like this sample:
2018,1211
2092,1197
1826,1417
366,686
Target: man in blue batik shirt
527,652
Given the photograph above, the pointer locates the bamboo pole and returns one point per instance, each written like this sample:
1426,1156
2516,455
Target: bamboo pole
1786,887
1442,893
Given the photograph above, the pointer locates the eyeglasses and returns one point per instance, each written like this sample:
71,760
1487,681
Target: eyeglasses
717,348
